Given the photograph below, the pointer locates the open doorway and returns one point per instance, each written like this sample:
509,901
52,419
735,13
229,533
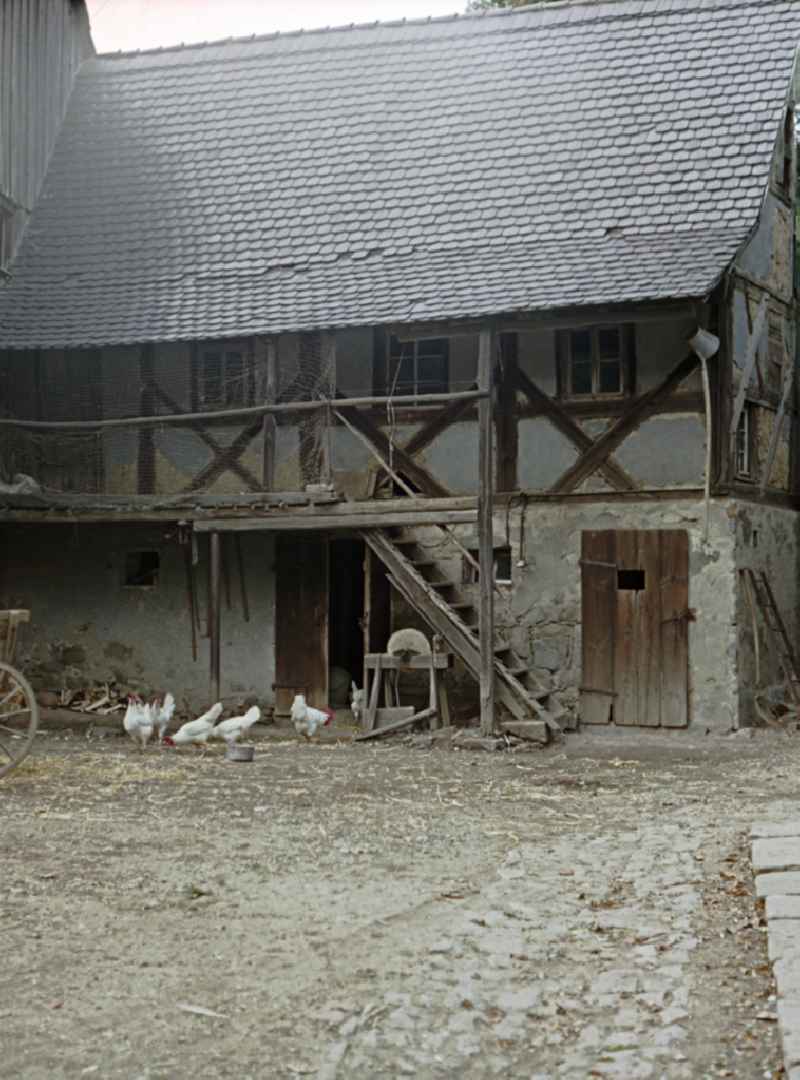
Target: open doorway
346,610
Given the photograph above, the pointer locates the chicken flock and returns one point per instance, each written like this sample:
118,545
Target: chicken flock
144,719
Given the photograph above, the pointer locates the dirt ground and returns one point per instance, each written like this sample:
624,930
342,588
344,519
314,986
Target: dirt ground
379,910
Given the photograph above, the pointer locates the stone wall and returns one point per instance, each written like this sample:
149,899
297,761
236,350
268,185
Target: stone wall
540,611
766,539
86,625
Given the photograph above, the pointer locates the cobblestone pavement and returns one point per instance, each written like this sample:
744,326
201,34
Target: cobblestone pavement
366,913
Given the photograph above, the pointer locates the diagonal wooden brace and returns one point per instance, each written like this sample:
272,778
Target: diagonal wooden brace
642,408
563,422
226,459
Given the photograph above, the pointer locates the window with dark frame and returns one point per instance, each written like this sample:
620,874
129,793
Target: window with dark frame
744,443
595,363
502,567
418,366
223,378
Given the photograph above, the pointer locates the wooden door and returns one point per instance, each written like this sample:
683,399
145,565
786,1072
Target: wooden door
301,621
598,613
634,628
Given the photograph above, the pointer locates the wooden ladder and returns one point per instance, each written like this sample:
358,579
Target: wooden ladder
765,601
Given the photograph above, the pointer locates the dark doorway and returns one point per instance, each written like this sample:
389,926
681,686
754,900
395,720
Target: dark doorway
346,637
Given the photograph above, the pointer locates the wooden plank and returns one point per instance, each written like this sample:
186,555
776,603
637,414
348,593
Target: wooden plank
269,426
392,714
304,523
440,661
398,725
674,628
644,407
626,682
506,424
648,630
486,357
301,617
598,614
571,429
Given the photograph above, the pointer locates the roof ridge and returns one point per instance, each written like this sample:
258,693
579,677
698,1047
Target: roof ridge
610,11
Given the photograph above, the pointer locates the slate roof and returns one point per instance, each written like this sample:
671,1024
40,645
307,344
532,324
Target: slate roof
564,154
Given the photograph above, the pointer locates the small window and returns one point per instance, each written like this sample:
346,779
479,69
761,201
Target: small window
595,362
418,366
141,569
743,444
502,567
224,380
630,580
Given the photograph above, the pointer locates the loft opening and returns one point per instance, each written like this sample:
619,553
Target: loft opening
630,580
142,569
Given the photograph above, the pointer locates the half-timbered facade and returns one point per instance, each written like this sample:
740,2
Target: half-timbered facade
311,336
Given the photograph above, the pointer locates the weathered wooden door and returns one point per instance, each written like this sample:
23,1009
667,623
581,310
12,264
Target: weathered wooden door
635,593
301,621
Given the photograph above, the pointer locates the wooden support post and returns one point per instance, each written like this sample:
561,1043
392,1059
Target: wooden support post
486,355
214,613
269,424
328,372
146,457
506,423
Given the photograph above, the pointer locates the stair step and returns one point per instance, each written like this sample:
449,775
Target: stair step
423,562
462,605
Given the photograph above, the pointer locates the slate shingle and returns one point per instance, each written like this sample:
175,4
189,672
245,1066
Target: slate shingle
437,169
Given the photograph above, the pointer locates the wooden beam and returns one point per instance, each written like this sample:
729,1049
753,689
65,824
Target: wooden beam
401,461
279,408
645,406
269,426
754,340
241,471
224,460
486,358
146,452
397,725
328,380
506,420
303,523
788,384
214,614
616,476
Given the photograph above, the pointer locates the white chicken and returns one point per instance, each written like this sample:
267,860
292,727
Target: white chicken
138,721
308,720
357,702
231,730
197,731
162,714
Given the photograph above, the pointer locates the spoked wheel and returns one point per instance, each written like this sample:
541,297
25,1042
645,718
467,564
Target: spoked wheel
19,717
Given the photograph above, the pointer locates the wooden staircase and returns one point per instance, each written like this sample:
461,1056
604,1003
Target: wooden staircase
442,604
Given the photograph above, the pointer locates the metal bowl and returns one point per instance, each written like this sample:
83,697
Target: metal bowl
240,753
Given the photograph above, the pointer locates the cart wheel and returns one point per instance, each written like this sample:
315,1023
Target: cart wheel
19,717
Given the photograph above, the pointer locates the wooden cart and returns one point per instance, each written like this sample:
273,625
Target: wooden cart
19,713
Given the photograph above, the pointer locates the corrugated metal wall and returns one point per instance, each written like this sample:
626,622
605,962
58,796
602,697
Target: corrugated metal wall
42,44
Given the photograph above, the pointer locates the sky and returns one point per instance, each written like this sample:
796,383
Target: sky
146,24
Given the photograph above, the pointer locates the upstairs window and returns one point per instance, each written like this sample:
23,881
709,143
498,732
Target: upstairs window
774,373
224,379
418,366
594,362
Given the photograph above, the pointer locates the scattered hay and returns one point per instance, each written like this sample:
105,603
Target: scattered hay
96,769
